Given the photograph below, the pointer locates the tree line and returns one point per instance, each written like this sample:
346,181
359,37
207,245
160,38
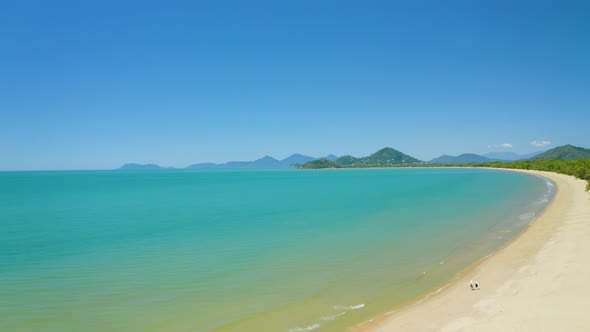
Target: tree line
579,168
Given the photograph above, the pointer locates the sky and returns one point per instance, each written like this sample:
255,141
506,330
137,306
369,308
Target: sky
96,84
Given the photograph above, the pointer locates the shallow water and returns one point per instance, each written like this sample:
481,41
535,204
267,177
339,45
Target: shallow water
274,250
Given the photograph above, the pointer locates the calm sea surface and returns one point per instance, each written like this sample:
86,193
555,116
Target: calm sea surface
280,250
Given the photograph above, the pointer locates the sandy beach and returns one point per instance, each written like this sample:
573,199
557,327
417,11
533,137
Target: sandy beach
538,282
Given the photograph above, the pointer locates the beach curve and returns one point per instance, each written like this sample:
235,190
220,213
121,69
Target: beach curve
538,282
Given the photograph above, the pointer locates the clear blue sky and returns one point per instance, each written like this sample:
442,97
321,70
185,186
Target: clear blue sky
93,85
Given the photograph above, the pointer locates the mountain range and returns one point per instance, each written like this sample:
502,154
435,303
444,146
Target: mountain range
476,158
262,163
142,167
383,158
464,158
510,156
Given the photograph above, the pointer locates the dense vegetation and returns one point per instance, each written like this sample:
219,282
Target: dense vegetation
579,168
568,159
386,157
321,163
347,160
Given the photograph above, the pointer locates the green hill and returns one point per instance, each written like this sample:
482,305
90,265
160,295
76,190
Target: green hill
566,152
321,163
347,160
386,157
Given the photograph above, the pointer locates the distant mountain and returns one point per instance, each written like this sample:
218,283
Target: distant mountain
510,156
565,152
385,157
234,164
530,155
347,160
388,156
329,157
464,158
502,156
263,163
142,167
203,166
296,159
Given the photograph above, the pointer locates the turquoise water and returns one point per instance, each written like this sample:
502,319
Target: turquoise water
286,250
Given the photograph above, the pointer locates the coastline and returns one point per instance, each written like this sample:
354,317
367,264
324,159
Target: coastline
537,281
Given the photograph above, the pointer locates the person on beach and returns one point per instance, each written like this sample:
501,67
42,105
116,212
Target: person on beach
476,285
471,285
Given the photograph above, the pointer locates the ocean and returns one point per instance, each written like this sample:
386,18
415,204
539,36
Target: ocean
244,250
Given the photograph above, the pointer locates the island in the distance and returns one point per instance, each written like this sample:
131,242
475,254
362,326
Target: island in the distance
134,167
389,157
386,157
266,162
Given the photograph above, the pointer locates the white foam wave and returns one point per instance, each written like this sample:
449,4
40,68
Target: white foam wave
333,317
307,328
527,216
542,201
350,307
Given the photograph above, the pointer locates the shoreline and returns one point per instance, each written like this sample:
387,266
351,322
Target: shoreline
507,300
